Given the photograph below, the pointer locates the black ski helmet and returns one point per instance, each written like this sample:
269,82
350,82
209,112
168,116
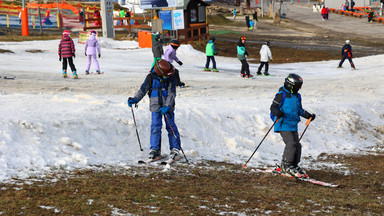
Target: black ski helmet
293,83
164,68
175,44
212,38
267,43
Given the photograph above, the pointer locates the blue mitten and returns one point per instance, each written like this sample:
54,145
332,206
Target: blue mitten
164,110
132,101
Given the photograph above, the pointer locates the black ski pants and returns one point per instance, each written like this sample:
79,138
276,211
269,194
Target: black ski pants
244,67
70,61
349,59
292,150
176,74
262,65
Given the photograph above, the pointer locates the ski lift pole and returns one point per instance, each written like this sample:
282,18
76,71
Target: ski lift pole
245,165
137,132
307,124
174,134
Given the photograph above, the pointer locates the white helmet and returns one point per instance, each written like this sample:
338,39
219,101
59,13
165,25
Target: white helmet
347,42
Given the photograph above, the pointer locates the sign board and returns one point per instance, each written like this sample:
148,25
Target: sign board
157,25
166,16
158,4
83,37
178,19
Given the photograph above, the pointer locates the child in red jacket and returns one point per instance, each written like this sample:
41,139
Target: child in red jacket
66,51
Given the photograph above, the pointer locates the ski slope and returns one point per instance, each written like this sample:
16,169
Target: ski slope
47,122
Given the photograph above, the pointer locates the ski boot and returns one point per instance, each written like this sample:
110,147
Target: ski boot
86,72
207,69
154,153
266,74
242,75
288,168
98,72
249,76
181,85
302,171
258,73
75,76
215,70
174,153
64,73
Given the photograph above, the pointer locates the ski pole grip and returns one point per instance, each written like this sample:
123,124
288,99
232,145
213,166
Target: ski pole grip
309,121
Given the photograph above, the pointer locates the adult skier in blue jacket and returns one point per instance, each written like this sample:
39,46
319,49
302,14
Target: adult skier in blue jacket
161,87
287,108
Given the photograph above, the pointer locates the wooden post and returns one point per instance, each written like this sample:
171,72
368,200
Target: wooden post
41,24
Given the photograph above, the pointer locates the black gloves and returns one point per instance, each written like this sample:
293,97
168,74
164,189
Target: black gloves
246,53
313,116
99,55
180,63
280,114
59,58
85,53
74,55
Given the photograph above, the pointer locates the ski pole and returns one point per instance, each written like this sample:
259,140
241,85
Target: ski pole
137,132
245,165
174,134
307,124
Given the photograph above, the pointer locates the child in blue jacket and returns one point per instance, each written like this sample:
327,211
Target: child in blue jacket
161,87
287,108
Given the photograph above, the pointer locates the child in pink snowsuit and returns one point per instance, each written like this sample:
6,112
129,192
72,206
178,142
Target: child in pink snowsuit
90,50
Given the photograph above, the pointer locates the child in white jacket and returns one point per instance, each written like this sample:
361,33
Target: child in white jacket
265,55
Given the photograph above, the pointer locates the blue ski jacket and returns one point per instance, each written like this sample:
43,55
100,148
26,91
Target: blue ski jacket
292,109
162,92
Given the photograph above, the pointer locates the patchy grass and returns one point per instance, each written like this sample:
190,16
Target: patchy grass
34,51
210,188
280,54
5,51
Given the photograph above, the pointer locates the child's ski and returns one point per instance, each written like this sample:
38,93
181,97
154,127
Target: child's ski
170,161
153,160
309,179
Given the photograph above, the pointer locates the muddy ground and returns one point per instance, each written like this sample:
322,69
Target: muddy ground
291,40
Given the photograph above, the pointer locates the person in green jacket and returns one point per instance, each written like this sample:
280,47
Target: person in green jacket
242,56
210,52
122,15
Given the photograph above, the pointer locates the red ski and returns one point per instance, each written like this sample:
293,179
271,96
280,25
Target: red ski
275,171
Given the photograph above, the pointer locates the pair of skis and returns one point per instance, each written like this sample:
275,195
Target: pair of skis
168,162
278,171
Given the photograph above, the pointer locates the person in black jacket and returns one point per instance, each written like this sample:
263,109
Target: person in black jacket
346,52
157,49
371,15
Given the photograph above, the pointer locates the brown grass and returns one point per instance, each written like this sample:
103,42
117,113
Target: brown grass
210,188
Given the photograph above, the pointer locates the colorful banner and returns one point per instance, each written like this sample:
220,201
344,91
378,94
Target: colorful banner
166,16
158,4
178,19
